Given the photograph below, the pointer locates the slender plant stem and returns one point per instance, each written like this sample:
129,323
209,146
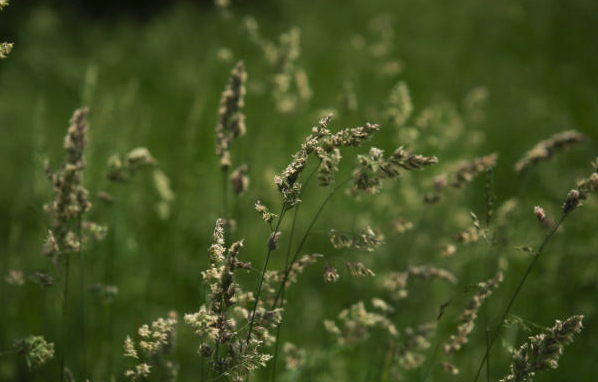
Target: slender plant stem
65,291
286,263
304,238
225,212
518,290
111,256
225,194
489,243
431,361
82,290
276,343
488,352
259,288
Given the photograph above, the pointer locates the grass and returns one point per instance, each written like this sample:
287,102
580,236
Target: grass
157,83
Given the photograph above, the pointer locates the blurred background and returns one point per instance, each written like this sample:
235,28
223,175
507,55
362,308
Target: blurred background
500,75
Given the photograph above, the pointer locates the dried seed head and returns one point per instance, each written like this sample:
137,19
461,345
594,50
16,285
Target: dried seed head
330,273
71,198
35,350
231,120
373,169
365,240
348,98
358,269
105,197
42,279
15,277
545,150
401,225
449,368
239,179
584,188
5,48
399,106
572,201
470,170
540,214
470,314
273,240
543,351
139,158
263,210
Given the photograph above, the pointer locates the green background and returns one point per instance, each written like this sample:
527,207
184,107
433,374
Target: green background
155,81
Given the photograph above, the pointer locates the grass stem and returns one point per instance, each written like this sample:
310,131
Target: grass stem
518,290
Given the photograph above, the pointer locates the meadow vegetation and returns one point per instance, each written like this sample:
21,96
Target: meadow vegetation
235,192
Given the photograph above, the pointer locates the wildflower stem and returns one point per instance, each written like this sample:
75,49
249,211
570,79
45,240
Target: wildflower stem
518,290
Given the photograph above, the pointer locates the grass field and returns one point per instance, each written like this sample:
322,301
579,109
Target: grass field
499,76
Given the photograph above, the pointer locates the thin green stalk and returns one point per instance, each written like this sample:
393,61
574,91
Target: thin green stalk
489,242
111,254
82,290
431,361
259,289
286,263
65,291
488,352
225,194
304,238
518,290
276,343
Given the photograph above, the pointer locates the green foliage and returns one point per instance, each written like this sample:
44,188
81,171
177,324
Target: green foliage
456,83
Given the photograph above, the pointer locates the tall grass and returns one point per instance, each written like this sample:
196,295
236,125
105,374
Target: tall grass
365,260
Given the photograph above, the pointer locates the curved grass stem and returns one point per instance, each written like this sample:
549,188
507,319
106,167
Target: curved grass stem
518,290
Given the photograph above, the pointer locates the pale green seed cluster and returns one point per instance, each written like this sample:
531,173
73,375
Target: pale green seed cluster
412,345
240,180
584,188
290,83
153,342
348,99
165,193
356,323
119,170
5,47
71,198
366,240
231,120
294,356
228,350
470,314
461,177
324,144
357,268
543,351
330,273
35,350
277,277
545,150
267,216
396,283
374,169
399,106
